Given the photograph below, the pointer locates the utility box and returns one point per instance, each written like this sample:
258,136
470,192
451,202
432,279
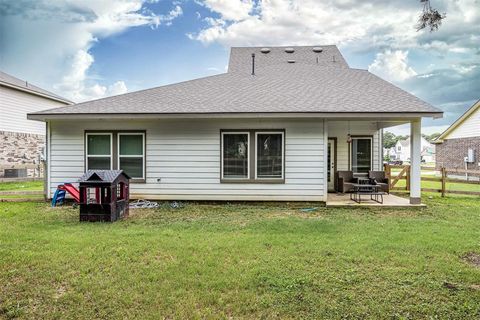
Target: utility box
470,156
104,195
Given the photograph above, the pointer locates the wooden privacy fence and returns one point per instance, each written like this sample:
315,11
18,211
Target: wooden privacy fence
442,177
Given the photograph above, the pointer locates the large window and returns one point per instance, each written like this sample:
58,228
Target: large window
99,151
131,154
361,154
252,156
116,150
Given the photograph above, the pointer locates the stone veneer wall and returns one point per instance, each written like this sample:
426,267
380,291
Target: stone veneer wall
451,152
20,148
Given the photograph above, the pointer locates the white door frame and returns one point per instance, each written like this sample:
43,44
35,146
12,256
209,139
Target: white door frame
331,159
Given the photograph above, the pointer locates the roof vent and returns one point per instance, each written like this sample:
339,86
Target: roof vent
265,50
289,50
291,61
317,49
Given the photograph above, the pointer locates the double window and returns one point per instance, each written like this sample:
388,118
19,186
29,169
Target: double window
361,154
116,150
252,155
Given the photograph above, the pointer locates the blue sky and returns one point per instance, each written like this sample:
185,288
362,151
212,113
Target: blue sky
90,49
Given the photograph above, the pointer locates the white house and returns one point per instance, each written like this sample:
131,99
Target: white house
401,151
459,146
22,140
276,126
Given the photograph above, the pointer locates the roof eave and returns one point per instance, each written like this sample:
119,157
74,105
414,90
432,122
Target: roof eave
58,99
346,115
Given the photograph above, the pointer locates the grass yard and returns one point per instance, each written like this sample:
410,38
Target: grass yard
22,186
242,261
23,190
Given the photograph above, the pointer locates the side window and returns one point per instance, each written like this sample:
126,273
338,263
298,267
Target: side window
99,151
269,155
235,155
131,154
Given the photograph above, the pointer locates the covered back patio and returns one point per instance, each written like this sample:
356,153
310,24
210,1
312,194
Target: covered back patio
354,161
342,200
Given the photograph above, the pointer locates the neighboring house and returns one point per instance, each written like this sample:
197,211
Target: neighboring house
401,151
389,153
458,147
22,140
276,126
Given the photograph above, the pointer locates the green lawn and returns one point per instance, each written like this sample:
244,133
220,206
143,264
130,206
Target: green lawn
22,186
242,261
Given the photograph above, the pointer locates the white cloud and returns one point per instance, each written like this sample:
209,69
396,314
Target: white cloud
74,82
392,65
54,38
360,24
306,21
167,19
118,87
230,9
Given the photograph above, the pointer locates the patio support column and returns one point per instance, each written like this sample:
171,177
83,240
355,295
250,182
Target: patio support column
325,159
415,161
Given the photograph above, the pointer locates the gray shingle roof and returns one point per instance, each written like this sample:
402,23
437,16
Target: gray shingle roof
276,88
101,176
7,79
241,57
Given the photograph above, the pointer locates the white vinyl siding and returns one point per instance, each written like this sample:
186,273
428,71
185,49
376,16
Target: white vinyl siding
339,130
469,128
183,158
14,107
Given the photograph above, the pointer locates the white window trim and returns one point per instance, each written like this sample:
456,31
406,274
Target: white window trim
132,156
248,152
283,154
98,156
371,151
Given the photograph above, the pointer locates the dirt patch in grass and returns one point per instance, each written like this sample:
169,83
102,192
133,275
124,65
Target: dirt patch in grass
472,258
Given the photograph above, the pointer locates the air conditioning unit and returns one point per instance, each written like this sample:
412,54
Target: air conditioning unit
15,173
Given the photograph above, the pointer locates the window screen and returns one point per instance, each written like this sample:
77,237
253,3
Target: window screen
99,151
269,155
131,154
235,155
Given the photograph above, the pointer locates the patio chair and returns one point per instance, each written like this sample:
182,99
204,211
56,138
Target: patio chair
345,181
380,179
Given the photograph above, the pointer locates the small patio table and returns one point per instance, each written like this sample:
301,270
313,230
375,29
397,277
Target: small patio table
366,189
